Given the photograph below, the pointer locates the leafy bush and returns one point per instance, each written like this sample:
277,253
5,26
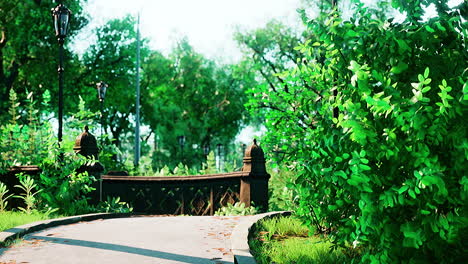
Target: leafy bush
4,197
282,195
236,209
25,142
32,141
64,188
373,116
29,187
114,205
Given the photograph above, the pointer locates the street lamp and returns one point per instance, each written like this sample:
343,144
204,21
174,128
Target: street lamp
206,149
220,150
61,16
181,140
101,89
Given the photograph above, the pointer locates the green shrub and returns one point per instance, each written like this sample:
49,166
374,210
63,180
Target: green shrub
114,205
236,209
29,187
281,192
374,119
32,141
4,197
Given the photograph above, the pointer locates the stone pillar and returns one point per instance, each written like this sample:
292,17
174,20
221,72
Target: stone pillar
254,188
86,145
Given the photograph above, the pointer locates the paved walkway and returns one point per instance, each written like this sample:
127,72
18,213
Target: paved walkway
171,240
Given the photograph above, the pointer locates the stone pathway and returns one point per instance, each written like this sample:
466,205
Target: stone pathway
138,239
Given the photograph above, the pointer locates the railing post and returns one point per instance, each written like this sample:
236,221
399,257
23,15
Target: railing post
86,145
254,188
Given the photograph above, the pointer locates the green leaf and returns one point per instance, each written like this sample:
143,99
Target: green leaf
399,68
364,167
403,189
351,33
440,27
426,72
429,29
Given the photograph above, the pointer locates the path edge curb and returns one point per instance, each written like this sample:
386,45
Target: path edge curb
240,237
20,231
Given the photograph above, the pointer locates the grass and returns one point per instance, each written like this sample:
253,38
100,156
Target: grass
9,219
286,240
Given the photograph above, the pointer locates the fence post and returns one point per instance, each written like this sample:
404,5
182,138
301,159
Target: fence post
86,145
254,188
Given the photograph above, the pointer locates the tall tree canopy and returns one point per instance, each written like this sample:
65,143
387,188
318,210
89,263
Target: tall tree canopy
191,96
28,47
112,59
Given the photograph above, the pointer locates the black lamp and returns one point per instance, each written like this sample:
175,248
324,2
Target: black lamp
101,88
61,16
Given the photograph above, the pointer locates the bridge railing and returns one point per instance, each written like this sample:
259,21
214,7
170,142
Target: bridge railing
196,194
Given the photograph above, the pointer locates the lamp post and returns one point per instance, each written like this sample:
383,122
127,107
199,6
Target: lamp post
206,149
181,140
61,16
220,150
101,89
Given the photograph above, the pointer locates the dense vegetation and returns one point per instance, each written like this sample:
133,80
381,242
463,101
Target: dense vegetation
371,116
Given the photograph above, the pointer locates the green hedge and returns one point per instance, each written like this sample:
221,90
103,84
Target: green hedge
375,115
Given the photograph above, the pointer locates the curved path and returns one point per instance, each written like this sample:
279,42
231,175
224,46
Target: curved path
137,239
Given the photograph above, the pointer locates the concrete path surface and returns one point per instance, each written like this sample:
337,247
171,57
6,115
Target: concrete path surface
137,239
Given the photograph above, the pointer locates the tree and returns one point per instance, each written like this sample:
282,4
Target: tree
372,120
28,47
189,95
112,60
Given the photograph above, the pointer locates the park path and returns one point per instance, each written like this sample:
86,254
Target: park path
138,239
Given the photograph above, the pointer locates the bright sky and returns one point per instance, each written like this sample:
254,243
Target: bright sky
208,24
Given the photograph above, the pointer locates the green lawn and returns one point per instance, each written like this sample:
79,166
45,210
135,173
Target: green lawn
9,219
286,240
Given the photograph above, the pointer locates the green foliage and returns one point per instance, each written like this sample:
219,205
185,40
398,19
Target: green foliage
25,143
282,194
62,188
371,120
111,58
4,197
192,96
236,209
285,240
210,165
29,196
114,205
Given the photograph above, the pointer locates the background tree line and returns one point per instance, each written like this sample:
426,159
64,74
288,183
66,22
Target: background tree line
182,94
